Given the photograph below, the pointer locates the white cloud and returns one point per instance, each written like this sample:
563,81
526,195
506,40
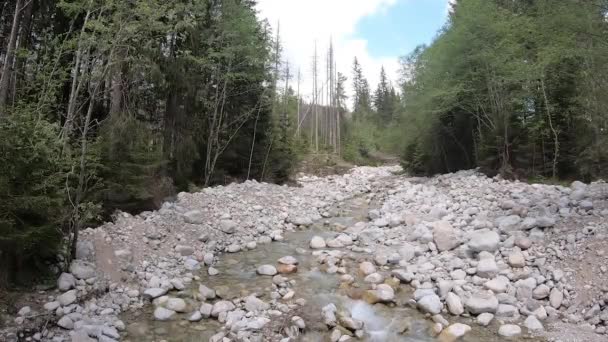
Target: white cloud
302,22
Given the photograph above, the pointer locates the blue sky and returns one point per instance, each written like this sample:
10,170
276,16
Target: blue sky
397,29
377,32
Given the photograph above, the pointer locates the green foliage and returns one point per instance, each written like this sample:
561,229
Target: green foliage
131,165
113,102
32,188
360,142
507,87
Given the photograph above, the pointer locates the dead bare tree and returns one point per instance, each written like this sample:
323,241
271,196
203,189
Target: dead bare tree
77,79
9,57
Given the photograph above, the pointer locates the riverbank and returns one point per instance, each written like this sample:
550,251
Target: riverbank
471,253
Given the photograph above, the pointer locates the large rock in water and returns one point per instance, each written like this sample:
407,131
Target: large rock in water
221,306
484,240
82,269
430,304
300,220
454,332
509,330
267,270
382,294
253,304
162,314
444,236
176,304
317,242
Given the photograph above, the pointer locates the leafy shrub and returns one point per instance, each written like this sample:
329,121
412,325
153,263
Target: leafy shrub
32,188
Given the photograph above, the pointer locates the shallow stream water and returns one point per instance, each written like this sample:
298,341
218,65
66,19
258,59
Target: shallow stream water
238,278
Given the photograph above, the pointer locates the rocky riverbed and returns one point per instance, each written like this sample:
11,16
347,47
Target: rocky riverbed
370,255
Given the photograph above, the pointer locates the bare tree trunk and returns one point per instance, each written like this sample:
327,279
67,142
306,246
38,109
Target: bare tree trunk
298,104
76,83
24,37
81,174
116,85
316,100
255,129
8,59
555,134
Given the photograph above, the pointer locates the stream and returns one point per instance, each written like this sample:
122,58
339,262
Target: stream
237,278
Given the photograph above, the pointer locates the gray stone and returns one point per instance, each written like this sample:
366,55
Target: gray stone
191,264
556,298
507,311
221,306
178,284
317,242
195,316
85,250
484,240
267,270
184,250
228,226
382,294
485,318
407,252
66,282
454,304
487,268
444,236
482,302
66,323
81,336
430,304
24,311
509,223
499,284
545,221
509,330
288,260
176,304
328,312
194,217
206,292
82,269
586,205
533,324
366,268
541,292
454,332
374,278
233,248
403,276
206,310
155,292
301,220
52,306
517,260
163,314
254,304
67,298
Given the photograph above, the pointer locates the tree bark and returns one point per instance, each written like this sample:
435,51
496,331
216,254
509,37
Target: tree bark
24,42
75,89
8,60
